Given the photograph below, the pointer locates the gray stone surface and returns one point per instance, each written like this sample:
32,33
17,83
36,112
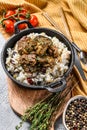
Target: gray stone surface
8,119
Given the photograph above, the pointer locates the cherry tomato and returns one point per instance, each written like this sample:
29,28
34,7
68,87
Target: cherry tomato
23,11
9,26
9,13
33,20
23,25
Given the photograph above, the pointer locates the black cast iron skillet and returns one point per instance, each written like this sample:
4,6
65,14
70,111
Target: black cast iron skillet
56,86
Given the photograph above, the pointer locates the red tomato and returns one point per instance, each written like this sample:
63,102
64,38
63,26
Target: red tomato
9,13
9,26
23,25
33,20
23,11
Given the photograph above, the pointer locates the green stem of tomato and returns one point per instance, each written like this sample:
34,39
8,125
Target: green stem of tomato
12,16
15,16
27,15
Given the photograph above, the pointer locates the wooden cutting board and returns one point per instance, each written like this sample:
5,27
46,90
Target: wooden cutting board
22,98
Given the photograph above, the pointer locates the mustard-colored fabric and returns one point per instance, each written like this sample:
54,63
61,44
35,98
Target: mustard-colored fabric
76,15
79,10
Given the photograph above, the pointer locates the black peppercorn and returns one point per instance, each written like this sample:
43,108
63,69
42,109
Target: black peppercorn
76,115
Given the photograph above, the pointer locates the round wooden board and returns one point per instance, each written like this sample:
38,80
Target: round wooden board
22,98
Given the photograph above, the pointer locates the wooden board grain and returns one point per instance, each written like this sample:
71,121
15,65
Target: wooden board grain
22,98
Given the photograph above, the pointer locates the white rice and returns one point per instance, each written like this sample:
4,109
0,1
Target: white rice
51,74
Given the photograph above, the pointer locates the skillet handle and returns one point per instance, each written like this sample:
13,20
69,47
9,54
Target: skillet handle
60,87
17,30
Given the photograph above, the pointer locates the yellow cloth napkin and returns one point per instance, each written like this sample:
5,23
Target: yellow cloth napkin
79,10
76,14
77,21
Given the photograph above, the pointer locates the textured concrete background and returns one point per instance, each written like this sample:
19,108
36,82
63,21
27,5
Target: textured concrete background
8,119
